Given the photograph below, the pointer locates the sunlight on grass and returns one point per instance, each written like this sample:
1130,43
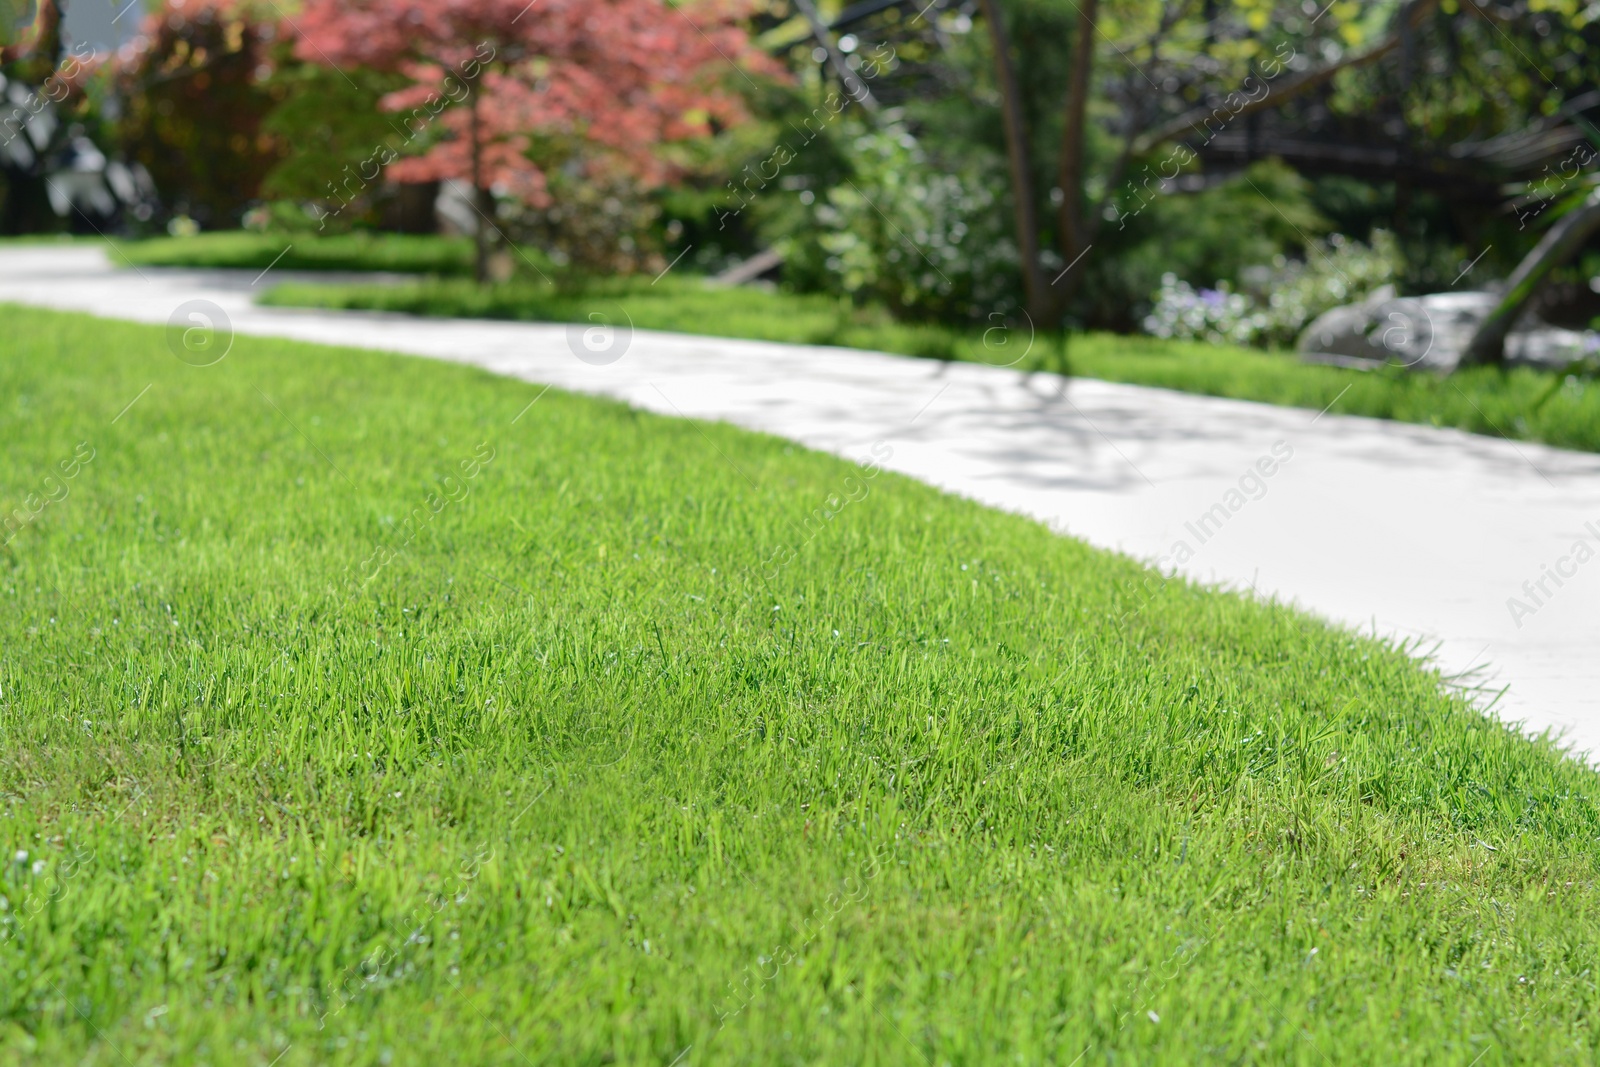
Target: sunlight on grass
240,250
345,720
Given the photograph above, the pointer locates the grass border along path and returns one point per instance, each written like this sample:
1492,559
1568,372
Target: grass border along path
355,711
240,250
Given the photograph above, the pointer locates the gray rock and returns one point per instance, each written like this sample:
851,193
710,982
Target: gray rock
1548,347
1342,332
1430,333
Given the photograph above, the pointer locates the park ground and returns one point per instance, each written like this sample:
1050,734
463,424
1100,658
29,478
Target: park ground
364,709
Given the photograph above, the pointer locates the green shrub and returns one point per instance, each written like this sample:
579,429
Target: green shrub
1277,300
908,233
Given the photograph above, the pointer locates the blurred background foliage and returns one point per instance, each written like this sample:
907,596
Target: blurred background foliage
195,88
1421,153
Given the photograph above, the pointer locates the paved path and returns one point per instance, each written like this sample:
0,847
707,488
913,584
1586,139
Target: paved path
1412,531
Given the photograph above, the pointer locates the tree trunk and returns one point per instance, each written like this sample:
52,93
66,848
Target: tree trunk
1019,161
481,200
1070,219
1565,238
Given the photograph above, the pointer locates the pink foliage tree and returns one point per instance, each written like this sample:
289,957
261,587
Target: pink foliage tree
489,76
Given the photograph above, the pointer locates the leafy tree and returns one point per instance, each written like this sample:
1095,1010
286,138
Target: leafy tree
1174,72
20,23
194,83
494,83
331,126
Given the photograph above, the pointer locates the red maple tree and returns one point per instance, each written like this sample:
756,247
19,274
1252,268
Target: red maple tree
489,77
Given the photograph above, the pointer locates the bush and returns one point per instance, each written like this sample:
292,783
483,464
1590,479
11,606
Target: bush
906,232
1275,302
1218,315
194,100
1198,237
600,220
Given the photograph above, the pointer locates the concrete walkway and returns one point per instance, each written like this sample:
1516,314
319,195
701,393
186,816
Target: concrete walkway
1415,532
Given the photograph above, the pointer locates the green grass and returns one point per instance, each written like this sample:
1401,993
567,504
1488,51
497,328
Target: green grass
48,239
621,750
241,250
676,303
1520,404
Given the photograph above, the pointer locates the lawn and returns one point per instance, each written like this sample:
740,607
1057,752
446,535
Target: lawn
240,250
359,709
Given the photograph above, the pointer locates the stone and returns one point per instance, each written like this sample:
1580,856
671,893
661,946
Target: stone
1429,333
1549,347
1342,332
1418,333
